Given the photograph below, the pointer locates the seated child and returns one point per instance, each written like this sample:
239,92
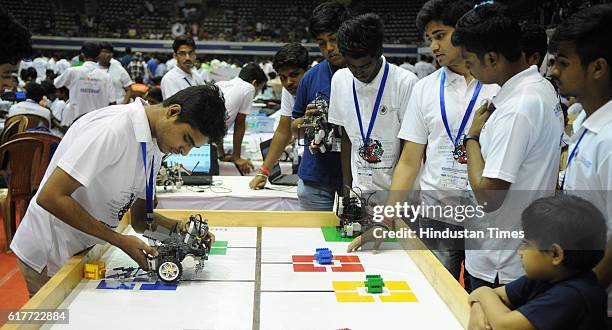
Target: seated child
565,237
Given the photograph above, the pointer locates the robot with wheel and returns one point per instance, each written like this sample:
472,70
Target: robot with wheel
173,246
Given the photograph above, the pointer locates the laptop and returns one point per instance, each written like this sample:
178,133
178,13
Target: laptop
202,162
275,172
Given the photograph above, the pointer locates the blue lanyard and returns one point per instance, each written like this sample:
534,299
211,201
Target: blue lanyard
150,184
468,111
187,80
381,89
571,156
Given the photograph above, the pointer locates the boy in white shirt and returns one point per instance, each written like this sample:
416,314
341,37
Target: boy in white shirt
513,145
239,94
291,62
90,88
101,169
368,99
582,69
31,106
119,76
184,74
434,111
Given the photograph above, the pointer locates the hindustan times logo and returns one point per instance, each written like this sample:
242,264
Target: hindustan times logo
412,212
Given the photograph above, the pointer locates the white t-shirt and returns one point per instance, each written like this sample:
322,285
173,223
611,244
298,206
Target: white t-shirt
89,89
408,66
102,151
170,64
40,64
120,78
590,170
520,144
29,107
423,124
238,96
57,110
62,65
176,80
287,102
374,176
423,69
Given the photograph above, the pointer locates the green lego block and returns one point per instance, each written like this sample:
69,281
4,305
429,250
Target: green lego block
375,290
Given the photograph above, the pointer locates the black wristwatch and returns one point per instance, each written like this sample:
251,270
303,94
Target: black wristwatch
470,137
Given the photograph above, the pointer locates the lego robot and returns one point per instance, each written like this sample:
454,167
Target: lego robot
173,246
352,214
319,132
170,177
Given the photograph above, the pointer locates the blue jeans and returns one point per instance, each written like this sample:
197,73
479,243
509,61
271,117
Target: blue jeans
314,198
450,252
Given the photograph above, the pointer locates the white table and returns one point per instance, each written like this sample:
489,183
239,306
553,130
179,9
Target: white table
230,193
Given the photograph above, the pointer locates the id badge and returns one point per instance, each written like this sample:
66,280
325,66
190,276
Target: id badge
454,176
365,175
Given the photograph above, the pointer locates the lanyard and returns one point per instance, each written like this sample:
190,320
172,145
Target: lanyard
366,138
150,184
466,116
571,156
187,80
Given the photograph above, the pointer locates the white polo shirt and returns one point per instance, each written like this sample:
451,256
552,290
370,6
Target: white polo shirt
287,102
120,78
520,144
176,80
30,107
89,89
102,151
62,65
372,176
423,124
238,96
590,170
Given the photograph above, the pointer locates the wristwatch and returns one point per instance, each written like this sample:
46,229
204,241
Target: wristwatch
470,137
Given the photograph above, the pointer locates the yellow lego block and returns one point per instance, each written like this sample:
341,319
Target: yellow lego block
96,270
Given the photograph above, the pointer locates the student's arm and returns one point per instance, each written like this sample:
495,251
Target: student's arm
604,269
245,165
282,137
499,315
345,156
56,198
490,192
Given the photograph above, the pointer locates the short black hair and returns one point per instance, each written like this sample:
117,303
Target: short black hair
16,40
203,108
488,28
446,11
34,92
362,35
155,94
587,29
107,45
183,40
291,55
90,49
571,222
534,40
48,87
327,17
252,71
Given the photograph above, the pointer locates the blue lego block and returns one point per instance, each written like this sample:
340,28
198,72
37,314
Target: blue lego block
323,256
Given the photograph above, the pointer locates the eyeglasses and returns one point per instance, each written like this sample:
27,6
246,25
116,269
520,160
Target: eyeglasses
185,54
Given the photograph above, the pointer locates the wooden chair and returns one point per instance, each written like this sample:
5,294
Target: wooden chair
50,143
36,121
24,155
12,126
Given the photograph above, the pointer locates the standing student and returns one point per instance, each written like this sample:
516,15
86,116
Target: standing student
90,87
368,99
438,115
291,62
119,76
513,145
239,93
183,74
583,70
320,174
103,167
